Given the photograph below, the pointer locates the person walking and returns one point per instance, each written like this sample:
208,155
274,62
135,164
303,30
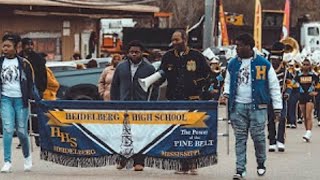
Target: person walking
17,87
309,87
277,134
106,76
40,76
188,75
250,84
293,110
125,87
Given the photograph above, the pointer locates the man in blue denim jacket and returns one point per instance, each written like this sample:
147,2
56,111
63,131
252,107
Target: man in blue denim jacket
250,85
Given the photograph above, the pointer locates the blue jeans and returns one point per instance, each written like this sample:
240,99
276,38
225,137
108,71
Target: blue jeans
14,117
244,119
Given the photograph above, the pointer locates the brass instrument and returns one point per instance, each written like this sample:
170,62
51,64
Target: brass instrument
297,66
215,67
291,45
316,69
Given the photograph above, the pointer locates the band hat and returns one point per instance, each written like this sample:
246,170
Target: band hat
209,54
214,60
277,49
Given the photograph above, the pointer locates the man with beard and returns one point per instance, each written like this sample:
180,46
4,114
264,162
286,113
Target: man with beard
187,74
40,74
38,64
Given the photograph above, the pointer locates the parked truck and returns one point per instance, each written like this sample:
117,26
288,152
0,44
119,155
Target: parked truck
78,84
310,36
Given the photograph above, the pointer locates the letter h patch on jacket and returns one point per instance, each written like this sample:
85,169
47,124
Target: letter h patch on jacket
261,72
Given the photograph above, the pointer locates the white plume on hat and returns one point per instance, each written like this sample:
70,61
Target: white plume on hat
315,57
231,53
298,58
288,57
209,54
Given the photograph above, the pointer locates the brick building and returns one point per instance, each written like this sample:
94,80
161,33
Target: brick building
59,29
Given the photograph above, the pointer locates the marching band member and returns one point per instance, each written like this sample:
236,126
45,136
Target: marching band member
294,96
277,137
309,87
316,68
216,79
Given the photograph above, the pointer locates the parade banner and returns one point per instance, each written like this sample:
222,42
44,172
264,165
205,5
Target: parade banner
258,25
286,20
97,133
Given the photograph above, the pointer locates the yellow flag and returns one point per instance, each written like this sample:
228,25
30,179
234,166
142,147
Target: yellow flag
286,20
224,31
258,25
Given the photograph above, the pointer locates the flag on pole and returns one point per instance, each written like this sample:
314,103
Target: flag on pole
224,31
258,25
286,20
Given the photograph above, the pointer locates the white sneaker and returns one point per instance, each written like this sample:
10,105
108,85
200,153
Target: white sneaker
307,136
272,148
6,167
281,146
27,163
318,123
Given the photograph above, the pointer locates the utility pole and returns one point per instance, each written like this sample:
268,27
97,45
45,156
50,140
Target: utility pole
209,23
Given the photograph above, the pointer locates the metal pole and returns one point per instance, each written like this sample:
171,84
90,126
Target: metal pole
209,23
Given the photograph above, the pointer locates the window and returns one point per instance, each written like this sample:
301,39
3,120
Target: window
313,31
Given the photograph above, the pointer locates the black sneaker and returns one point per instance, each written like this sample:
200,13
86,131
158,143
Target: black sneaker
239,175
261,170
299,121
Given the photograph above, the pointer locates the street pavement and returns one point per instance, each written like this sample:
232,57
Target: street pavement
300,161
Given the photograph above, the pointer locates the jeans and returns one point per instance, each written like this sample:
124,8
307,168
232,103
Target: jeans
244,119
14,117
281,126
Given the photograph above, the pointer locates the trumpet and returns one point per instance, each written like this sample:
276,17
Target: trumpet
297,66
215,68
316,69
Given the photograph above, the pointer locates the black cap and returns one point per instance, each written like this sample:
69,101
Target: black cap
277,49
26,41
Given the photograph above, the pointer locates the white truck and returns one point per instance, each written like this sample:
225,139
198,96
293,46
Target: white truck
310,36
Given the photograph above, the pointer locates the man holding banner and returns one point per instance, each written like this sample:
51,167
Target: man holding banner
250,84
187,73
125,86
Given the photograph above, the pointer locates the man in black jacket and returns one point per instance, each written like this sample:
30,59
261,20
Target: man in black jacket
188,76
125,86
38,64
40,74
186,70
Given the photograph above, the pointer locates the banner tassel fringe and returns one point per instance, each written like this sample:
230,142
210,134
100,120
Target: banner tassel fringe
176,164
83,162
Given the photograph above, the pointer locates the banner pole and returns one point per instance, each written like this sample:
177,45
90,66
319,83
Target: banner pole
30,126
